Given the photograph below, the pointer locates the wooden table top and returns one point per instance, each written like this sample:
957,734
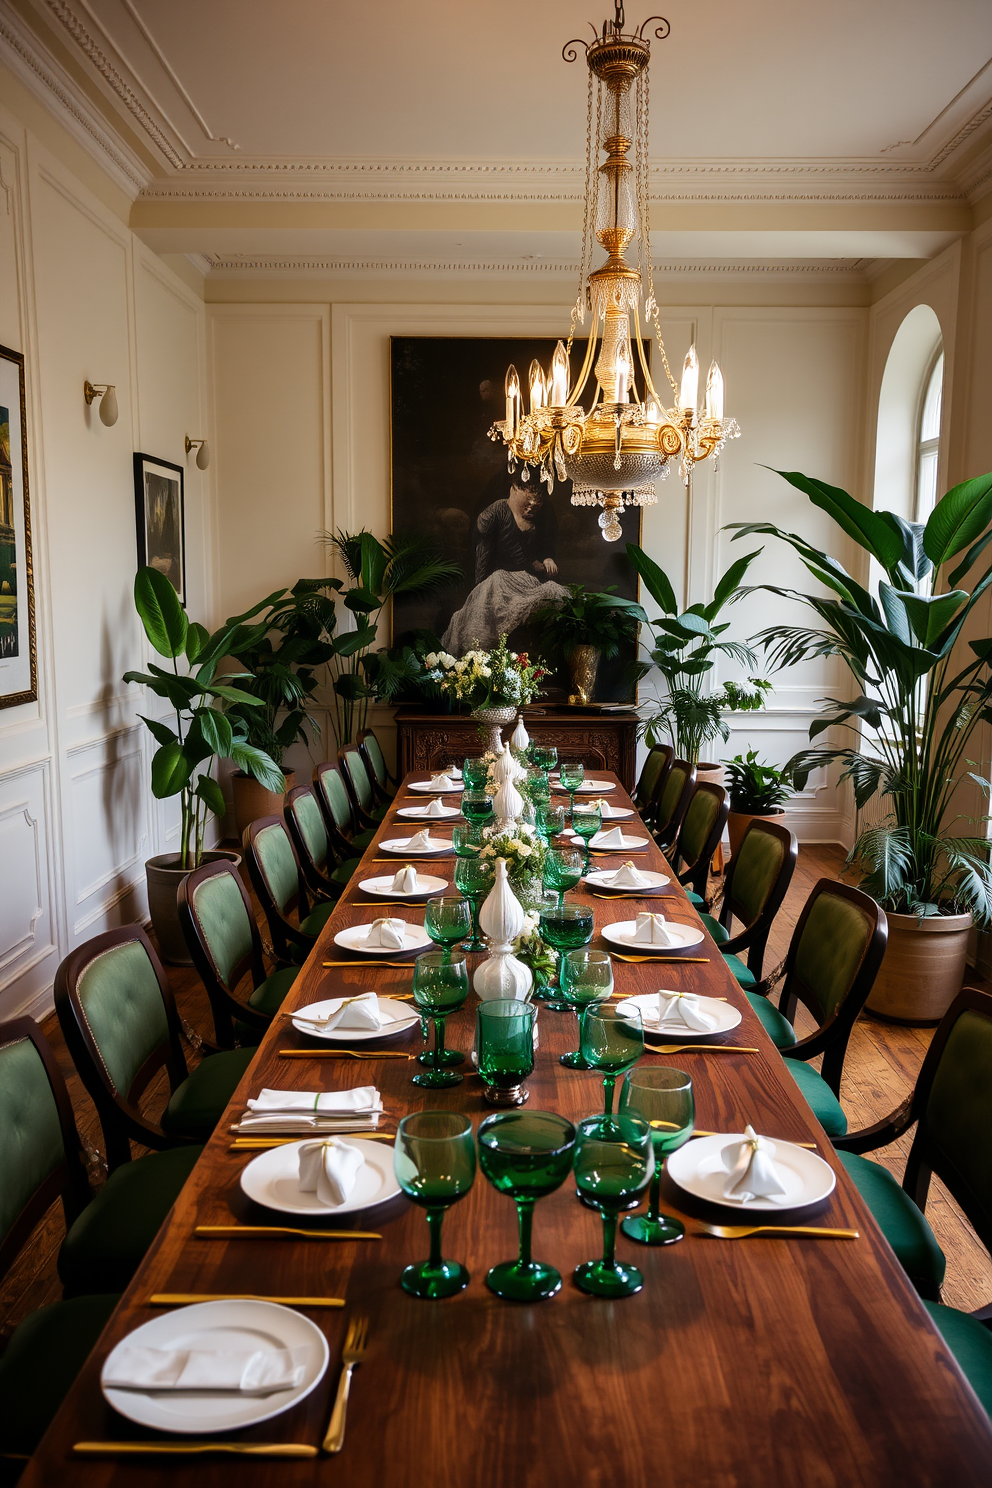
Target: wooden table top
754,1362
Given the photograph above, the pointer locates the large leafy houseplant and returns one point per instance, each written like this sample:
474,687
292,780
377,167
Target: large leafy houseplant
756,789
587,618
921,692
685,648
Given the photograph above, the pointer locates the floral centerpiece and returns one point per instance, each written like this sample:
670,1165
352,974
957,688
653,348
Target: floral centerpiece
523,851
483,680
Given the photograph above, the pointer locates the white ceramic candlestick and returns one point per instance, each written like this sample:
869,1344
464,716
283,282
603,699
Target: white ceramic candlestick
502,919
508,805
520,738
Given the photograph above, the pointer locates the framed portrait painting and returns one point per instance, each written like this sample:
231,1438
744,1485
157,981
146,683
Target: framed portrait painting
515,543
161,519
18,646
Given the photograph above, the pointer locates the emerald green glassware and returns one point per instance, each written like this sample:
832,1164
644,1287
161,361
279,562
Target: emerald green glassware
544,756
475,772
476,807
662,1097
527,1155
447,920
584,977
549,820
467,840
538,786
504,1041
564,927
571,773
614,1162
562,870
612,1041
440,986
475,877
434,1162
586,821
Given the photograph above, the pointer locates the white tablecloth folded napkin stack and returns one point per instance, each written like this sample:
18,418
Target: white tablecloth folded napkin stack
302,1111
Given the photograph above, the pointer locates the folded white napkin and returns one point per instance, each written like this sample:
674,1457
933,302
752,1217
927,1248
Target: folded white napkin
453,772
628,877
752,1173
436,808
613,838
330,1169
317,1103
352,1012
251,1372
606,810
423,842
678,1007
387,932
406,881
653,928
442,782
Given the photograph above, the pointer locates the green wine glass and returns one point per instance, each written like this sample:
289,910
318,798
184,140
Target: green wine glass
526,1154
662,1097
544,756
467,840
447,920
538,787
434,1162
586,822
614,1161
562,870
564,927
475,877
612,1040
584,977
477,807
440,987
571,774
549,820
504,1041
475,772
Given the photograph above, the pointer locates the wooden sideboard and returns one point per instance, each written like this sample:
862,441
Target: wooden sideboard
604,741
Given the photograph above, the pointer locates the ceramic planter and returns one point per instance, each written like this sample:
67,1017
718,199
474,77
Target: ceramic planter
252,800
739,821
163,876
923,968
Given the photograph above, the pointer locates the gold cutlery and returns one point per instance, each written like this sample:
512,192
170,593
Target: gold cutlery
371,962
671,1126
595,895
255,1144
343,1054
265,1232
170,1448
352,1354
380,904
741,1232
698,1049
663,960
177,1299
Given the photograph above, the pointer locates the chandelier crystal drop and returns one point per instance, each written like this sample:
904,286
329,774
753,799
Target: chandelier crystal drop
615,450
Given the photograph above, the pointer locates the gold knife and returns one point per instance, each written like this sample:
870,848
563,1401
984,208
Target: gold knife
266,1232
177,1299
170,1448
343,1054
371,963
254,1144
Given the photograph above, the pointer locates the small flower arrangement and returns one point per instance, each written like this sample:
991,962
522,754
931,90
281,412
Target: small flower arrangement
522,849
499,678
536,953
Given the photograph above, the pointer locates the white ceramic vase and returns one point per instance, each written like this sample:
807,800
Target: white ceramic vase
502,919
520,738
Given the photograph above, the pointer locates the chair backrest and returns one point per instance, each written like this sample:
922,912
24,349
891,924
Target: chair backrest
356,778
333,797
653,776
119,1020
756,883
40,1156
700,833
219,928
374,758
308,830
673,800
276,877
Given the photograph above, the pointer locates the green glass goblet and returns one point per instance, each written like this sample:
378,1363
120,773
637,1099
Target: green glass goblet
662,1097
612,1041
467,840
538,787
549,820
434,1162
504,1041
475,877
440,986
447,920
614,1161
584,977
477,807
571,774
586,822
562,870
544,756
564,927
526,1154
475,772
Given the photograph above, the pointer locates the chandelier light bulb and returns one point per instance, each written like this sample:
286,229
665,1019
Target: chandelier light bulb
624,371
652,413
538,388
559,377
689,390
512,387
714,392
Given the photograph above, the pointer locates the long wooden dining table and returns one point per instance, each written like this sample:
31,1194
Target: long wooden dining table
752,1362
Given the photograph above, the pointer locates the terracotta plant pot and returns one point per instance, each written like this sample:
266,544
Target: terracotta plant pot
715,774
163,876
252,800
739,821
923,968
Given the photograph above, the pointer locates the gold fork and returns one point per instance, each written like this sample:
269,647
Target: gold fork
698,1049
741,1232
352,1354
663,960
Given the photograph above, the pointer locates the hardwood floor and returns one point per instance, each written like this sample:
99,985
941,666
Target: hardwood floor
882,1064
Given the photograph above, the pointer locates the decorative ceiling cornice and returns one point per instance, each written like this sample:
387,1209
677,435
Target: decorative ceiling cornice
243,263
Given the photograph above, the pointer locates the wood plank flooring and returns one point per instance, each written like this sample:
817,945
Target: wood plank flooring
881,1067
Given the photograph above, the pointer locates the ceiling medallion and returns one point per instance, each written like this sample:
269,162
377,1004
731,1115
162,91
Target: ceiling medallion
614,451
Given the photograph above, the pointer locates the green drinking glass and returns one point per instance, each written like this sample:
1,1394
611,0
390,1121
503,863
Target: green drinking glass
526,1154
467,840
614,1161
544,756
584,977
504,1041
662,1097
564,927
475,877
586,822
538,787
477,807
447,920
440,987
612,1041
571,773
549,820
475,772
434,1162
562,870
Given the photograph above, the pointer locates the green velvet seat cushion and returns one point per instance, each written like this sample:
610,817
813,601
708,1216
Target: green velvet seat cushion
971,1344
362,840
902,1222
719,934
344,872
775,1024
198,1104
819,1097
379,813
106,1244
744,976
268,997
316,920
696,900
37,1368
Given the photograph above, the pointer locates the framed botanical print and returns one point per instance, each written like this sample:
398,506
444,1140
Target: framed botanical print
161,519
18,645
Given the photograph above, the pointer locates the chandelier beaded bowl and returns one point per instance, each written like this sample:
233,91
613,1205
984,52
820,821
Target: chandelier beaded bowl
615,450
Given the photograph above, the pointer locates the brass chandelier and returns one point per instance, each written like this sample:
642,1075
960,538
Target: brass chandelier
615,451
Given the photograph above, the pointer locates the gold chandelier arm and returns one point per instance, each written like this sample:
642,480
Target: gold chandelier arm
648,382
586,367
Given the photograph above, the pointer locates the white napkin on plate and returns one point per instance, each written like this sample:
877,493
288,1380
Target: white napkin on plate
388,933
606,810
454,772
353,1012
436,808
251,1372
751,1169
422,842
362,1098
678,1007
330,1169
442,782
628,877
613,838
653,929
406,881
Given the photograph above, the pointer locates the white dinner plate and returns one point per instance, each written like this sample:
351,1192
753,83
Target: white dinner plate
353,939
428,788
237,1326
621,932
601,878
589,787
697,1169
382,888
422,812
399,1013
400,848
629,844
724,1014
617,813
273,1179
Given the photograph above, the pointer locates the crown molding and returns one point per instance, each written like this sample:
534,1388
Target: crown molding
243,263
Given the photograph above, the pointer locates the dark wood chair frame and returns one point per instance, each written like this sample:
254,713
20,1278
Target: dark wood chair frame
754,937
648,806
284,933
382,796
319,885
696,874
363,820
225,1007
666,832
341,845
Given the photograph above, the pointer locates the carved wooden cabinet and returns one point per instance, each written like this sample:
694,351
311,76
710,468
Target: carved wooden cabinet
603,741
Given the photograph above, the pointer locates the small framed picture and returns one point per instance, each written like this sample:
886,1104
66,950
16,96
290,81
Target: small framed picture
161,519
18,647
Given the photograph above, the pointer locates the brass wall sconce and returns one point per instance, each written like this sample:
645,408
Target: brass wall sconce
202,451
107,394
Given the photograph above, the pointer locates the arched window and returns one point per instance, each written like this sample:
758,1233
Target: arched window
928,439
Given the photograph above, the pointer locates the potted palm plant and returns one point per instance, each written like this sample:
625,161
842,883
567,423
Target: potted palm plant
922,691
757,793
584,629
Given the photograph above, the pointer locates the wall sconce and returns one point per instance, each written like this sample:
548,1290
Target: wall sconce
202,451
107,394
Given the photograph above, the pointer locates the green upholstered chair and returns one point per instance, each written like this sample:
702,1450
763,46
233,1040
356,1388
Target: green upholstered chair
358,782
277,878
383,781
119,1020
673,801
339,817
219,928
699,836
651,780
305,820
834,956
